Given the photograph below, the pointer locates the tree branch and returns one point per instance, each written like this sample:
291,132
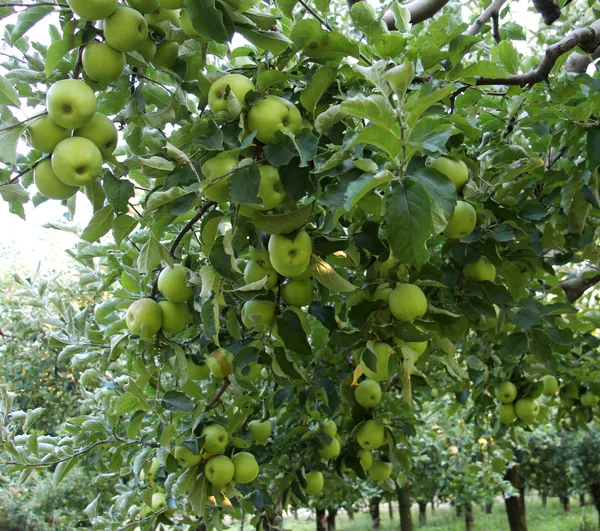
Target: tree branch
549,10
587,38
36,4
189,227
576,287
226,383
490,12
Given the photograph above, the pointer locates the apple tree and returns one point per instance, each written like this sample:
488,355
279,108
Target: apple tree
307,217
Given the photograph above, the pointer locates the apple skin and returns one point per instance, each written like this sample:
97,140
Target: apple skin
463,221
152,471
219,470
126,29
371,435
329,428
246,468
77,161
480,270
366,459
148,49
260,431
255,271
93,9
589,400
185,457
273,114
49,185
550,385
197,372
144,318
271,190
171,4
220,363
255,370
506,413
380,470
290,257
215,438
382,292
305,275
368,393
101,62
213,169
102,132
408,302
71,103
159,501
527,409
144,6
172,283
238,85
175,317
162,14
456,170
418,346
383,351
44,134
331,450
297,292
314,482
166,55
506,392
258,315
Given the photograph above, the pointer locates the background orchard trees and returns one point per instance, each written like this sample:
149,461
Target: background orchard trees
405,195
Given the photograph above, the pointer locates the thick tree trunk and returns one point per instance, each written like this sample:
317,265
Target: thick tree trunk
595,492
350,515
374,511
331,514
468,509
390,510
522,493
459,511
320,520
544,499
488,507
422,514
274,520
582,499
432,506
404,505
515,505
566,503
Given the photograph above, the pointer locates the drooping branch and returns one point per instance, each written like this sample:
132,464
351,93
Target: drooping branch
588,38
576,287
578,63
549,10
226,383
420,11
492,11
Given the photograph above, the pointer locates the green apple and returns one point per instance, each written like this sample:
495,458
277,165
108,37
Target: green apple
382,292
159,501
102,132
93,9
567,401
290,257
162,15
480,270
101,62
297,292
144,6
220,363
382,352
77,161
173,283
507,413
589,400
371,435
148,49
314,482
166,55
152,471
197,372
214,169
44,134
175,317
171,4
408,302
255,270
463,221
506,392
331,450
258,315
456,170
550,385
329,428
273,114
260,431
71,103
380,470
305,275
418,346
144,318
250,373
366,458
185,457
49,185
126,29
246,467
434,393
368,393
219,470
527,409
271,190
215,438
222,88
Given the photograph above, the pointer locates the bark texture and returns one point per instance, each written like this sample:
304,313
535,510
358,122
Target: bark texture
422,514
331,514
595,492
320,520
468,510
515,505
374,511
404,505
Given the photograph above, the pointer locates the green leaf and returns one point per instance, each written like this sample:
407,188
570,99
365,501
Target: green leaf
158,199
27,19
289,328
122,227
272,41
328,118
365,19
14,193
33,415
408,222
99,225
118,192
266,79
62,469
437,185
329,277
509,56
177,401
361,187
381,138
244,185
419,102
321,81
374,108
56,51
593,148
126,403
8,95
151,255
212,23
156,167
287,7
8,144
283,223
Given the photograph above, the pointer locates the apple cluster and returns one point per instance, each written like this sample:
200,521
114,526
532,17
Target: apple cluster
525,408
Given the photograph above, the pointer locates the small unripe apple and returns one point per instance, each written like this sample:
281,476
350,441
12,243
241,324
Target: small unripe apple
197,372
506,392
101,62
220,363
159,501
408,302
550,385
366,458
215,438
49,185
506,413
297,292
175,317
220,91
260,431
380,470
44,134
290,257
527,409
273,114
314,482
371,435
456,170
258,315
331,450
368,393
463,221
185,457
219,470
144,318
173,283
329,428
480,270
246,467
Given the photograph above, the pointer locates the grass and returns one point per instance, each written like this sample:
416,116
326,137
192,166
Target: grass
550,518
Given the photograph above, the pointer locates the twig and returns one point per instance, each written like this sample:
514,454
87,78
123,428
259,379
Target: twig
24,172
226,383
79,64
420,11
12,126
138,522
496,28
492,11
17,4
189,227
560,153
